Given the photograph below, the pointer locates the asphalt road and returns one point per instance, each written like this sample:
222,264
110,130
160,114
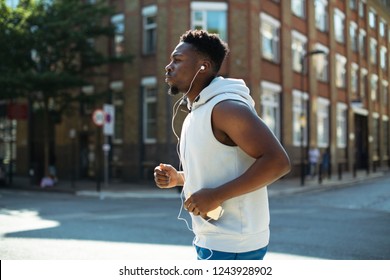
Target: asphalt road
349,223
337,223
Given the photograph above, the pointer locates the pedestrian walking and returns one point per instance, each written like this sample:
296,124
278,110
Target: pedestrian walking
314,157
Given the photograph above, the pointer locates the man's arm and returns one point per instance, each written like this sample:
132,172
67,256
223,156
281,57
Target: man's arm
234,123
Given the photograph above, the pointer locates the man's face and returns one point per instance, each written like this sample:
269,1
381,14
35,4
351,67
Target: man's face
181,69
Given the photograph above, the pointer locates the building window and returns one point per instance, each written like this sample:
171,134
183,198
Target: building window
300,100
385,93
374,87
352,4
362,8
149,86
339,25
269,31
323,122
341,71
321,14
373,51
298,8
363,42
210,16
383,58
149,15
363,83
270,108
372,18
116,88
321,63
118,21
341,125
298,47
382,28
353,36
354,79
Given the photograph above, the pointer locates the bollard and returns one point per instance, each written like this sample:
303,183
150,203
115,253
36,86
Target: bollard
320,174
340,171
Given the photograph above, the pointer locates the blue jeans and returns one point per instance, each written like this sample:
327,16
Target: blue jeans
208,254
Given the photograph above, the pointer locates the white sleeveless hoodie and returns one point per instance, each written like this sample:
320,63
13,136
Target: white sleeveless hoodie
207,163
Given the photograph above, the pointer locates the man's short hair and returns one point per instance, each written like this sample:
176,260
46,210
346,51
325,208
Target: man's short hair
207,44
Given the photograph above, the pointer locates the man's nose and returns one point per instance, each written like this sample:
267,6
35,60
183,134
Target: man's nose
168,68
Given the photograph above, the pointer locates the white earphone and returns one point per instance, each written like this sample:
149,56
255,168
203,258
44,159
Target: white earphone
202,67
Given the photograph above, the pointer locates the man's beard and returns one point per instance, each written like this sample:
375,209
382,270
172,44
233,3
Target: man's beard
173,91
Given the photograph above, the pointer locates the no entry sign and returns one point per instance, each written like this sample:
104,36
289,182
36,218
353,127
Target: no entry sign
98,117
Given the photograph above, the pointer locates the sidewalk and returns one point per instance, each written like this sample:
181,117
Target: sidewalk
149,190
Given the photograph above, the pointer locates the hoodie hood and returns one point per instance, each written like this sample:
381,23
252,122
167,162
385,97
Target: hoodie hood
221,85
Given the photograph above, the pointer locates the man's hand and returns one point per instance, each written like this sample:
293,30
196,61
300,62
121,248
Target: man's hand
202,202
166,176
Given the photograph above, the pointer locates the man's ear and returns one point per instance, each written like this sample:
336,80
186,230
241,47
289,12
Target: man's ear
206,66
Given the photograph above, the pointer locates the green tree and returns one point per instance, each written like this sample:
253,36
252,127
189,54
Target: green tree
49,52
14,49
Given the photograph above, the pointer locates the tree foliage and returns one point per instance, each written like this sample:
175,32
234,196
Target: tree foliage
48,50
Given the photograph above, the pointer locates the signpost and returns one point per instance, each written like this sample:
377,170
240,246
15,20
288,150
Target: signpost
105,118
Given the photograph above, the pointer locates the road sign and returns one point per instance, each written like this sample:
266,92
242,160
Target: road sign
98,117
109,118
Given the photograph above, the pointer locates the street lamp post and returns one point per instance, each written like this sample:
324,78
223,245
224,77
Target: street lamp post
304,121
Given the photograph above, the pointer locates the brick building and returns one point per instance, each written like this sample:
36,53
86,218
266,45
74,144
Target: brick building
318,70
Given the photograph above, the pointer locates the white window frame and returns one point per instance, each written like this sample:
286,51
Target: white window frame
148,83
352,4
270,99
342,121
363,42
374,86
383,58
341,71
362,8
149,29
118,103
373,51
339,31
382,28
354,78
298,8
299,97
118,20
274,55
323,122
353,34
363,83
321,63
321,15
298,48
372,18
204,8
385,93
